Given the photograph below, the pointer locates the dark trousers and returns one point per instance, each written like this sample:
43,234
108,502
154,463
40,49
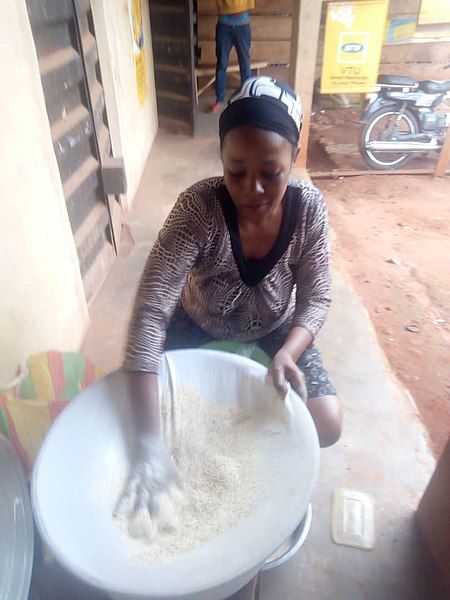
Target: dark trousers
183,333
227,36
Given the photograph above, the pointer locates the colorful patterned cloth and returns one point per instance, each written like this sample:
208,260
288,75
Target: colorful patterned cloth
28,409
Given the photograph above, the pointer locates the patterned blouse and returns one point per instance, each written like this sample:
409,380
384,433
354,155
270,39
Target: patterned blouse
198,260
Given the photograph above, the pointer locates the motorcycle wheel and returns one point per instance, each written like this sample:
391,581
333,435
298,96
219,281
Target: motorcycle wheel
379,128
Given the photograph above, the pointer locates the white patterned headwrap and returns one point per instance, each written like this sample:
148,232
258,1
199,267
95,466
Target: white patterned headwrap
264,102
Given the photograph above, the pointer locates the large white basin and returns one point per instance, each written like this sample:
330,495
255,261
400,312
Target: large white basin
89,444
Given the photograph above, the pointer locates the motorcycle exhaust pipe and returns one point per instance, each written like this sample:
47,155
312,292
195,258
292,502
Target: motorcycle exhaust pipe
412,137
395,146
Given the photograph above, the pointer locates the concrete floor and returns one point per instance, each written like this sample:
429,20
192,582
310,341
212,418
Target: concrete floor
383,450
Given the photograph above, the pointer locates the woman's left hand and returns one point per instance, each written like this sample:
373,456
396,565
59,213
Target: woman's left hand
283,370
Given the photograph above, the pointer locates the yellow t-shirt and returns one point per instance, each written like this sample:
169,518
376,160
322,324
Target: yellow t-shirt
232,7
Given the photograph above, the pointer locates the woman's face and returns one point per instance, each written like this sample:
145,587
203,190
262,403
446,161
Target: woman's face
257,165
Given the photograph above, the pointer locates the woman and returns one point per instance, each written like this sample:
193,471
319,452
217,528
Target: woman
241,257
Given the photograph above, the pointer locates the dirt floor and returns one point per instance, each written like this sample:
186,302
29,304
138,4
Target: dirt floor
392,234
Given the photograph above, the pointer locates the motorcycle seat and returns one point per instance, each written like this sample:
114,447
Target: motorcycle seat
397,80
435,87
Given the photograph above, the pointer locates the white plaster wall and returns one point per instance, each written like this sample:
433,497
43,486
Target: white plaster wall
133,127
42,303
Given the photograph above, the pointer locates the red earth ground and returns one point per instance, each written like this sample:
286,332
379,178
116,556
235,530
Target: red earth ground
334,139
392,233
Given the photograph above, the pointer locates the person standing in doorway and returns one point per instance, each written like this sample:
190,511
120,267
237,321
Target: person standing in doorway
232,29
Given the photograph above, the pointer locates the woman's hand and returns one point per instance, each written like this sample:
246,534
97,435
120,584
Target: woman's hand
282,370
153,487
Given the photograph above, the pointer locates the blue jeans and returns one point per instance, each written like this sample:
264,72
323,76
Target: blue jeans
227,36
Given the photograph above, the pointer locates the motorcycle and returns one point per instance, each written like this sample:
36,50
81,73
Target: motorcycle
401,120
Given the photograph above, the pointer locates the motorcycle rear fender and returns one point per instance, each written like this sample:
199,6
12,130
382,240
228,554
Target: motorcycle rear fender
373,107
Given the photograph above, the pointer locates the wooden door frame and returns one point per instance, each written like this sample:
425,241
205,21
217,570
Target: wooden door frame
304,48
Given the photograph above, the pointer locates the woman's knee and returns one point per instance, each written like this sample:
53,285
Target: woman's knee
327,415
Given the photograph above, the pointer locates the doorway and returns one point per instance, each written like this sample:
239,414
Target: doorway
66,47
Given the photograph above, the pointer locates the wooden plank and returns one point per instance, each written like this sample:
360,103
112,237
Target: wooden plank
170,39
51,11
416,52
171,53
168,81
421,70
56,60
205,86
93,245
294,58
275,7
211,70
306,44
169,107
173,96
104,144
88,43
430,32
175,125
400,7
444,158
97,272
356,173
84,199
83,6
173,57
98,216
271,7
166,9
72,149
171,68
76,179
280,73
402,16
174,27
207,75
116,216
263,28
52,37
417,71
66,85
96,91
69,122
272,52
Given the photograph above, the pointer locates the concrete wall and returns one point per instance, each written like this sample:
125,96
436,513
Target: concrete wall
132,126
42,302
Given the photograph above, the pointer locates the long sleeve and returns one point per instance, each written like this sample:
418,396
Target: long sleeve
312,274
174,253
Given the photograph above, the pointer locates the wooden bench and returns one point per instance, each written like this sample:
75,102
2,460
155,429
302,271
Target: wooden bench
210,71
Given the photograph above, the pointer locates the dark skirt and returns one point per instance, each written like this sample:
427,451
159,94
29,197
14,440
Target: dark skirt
183,333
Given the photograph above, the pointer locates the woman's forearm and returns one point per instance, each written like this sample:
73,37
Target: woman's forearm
144,395
296,342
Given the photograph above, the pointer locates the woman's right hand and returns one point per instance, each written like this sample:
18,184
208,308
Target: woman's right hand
152,476
153,492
